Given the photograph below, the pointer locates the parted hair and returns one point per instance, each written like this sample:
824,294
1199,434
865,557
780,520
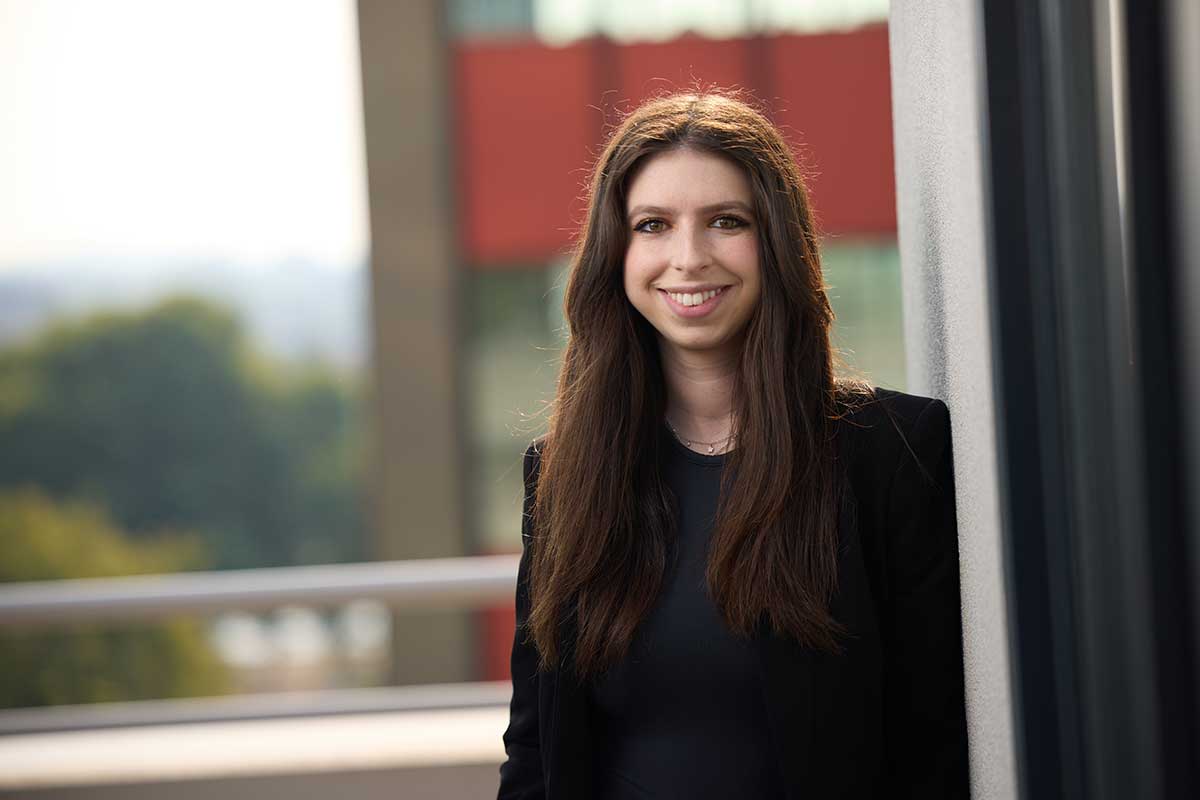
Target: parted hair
603,520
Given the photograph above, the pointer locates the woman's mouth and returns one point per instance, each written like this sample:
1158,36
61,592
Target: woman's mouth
695,304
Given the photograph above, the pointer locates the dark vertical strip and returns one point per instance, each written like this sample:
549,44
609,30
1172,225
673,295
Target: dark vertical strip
1099,417
1181,24
1158,358
1031,457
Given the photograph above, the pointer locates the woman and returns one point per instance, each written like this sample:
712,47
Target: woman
740,574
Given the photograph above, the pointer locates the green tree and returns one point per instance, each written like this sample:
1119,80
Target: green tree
40,540
169,419
315,416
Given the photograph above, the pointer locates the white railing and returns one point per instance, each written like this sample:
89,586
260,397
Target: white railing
433,582
268,705
467,582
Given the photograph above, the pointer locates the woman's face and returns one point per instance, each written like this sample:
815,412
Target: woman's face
692,232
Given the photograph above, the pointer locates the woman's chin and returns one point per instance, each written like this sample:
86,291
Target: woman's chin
697,346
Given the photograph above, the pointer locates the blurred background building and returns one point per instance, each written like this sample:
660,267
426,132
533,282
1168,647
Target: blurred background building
280,287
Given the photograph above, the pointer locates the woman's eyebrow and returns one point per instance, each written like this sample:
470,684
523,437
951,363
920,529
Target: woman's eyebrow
726,205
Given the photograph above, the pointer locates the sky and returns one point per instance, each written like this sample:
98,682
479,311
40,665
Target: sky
226,129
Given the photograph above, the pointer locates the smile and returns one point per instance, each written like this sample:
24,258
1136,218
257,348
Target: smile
694,305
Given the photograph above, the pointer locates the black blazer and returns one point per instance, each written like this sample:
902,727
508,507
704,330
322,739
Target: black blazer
884,719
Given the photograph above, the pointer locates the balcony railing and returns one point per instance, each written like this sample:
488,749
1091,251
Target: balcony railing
467,582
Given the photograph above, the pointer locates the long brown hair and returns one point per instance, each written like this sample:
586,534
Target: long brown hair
603,518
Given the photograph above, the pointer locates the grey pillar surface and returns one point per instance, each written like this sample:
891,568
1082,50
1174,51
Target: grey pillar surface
416,476
938,103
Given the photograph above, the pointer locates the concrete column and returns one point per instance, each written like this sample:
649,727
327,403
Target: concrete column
417,484
938,106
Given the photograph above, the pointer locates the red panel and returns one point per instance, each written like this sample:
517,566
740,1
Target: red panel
646,70
498,625
838,107
529,121
523,136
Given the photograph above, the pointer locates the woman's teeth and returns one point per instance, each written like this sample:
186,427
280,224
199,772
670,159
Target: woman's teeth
695,299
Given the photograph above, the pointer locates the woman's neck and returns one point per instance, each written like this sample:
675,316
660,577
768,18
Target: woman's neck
699,388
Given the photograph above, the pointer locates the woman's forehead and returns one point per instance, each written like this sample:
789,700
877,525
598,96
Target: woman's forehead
688,179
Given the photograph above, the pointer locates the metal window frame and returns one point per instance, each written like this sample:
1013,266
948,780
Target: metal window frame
1093,517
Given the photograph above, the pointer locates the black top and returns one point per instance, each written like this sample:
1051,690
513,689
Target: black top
683,714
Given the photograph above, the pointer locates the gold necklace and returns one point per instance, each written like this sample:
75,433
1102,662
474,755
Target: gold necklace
688,442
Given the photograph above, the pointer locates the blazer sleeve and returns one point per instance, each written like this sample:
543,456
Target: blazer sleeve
521,773
925,710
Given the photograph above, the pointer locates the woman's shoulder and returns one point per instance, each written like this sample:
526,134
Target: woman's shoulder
865,407
885,429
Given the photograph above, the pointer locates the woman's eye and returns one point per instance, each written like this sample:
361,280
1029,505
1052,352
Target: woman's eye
728,222
650,226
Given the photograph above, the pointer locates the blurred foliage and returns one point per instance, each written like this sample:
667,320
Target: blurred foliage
168,419
40,540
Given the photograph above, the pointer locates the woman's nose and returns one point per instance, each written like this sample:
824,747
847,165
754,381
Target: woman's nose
690,250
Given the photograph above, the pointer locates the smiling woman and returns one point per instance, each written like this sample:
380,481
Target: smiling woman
740,573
